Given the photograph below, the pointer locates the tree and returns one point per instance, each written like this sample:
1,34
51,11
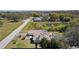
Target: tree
61,17
59,43
14,18
44,43
3,16
60,27
64,18
67,19
54,43
53,17
35,14
72,36
63,44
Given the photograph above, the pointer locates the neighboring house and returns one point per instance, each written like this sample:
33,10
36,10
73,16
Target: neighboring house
46,18
1,17
36,19
37,35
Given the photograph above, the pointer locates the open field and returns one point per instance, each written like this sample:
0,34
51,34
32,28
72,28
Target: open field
7,28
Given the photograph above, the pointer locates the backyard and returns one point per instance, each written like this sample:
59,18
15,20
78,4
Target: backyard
53,26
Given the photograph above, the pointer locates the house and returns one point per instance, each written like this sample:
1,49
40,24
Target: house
1,18
45,16
36,19
37,35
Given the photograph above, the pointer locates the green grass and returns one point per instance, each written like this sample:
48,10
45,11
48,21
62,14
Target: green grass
19,43
58,26
35,26
7,28
55,26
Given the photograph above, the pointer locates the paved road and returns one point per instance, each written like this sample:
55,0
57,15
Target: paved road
11,36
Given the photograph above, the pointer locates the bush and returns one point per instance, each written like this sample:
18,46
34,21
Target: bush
44,43
63,44
19,36
23,38
67,19
61,17
31,40
35,14
14,41
1,23
53,17
59,27
54,44
59,44
72,36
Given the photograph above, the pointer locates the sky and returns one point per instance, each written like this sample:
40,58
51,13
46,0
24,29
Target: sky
39,4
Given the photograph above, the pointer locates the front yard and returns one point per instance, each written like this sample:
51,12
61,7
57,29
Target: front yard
20,42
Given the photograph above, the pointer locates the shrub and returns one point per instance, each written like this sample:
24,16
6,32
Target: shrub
61,17
14,41
44,43
1,23
53,17
72,36
54,43
35,14
67,19
59,44
59,27
23,38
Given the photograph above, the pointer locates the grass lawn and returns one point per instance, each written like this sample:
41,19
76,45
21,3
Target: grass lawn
7,28
19,43
54,26
35,26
